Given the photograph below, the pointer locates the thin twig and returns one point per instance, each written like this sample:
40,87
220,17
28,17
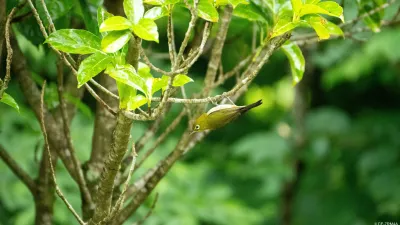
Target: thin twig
58,190
51,24
7,78
149,212
17,170
171,39
81,180
185,41
369,13
187,63
196,53
216,52
153,67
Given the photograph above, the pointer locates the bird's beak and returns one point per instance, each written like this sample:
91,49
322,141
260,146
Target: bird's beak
192,133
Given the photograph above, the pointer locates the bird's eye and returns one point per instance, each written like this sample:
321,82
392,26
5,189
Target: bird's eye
197,127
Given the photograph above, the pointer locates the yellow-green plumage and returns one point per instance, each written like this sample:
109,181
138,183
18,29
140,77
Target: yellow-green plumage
221,115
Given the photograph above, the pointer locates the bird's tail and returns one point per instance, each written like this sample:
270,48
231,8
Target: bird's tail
248,107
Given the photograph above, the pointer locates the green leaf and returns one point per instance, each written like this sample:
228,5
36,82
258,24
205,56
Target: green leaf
180,80
160,83
144,71
115,23
207,11
296,60
221,2
125,93
312,1
154,2
156,13
171,2
235,3
92,66
74,41
333,29
146,29
333,8
115,40
102,15
329,8
134,10
296,5
7,99
285,24
136,101
318,23
250,12
126,74
323,27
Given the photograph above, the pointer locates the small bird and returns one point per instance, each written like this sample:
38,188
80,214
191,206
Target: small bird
221,115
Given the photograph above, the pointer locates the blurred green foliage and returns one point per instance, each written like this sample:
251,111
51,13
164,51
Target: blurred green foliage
237,174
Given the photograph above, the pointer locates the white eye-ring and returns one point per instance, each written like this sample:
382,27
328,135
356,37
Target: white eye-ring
197,127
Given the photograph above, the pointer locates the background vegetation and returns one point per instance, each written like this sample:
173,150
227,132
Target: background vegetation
346,166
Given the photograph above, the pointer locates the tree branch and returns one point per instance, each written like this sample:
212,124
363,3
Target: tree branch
171,39
7,78
111,167
58,191
120,202
3,19
87,198
17,170
193,19
367,14
215,59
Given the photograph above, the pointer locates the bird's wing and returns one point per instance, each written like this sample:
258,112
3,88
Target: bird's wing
229,114
220,107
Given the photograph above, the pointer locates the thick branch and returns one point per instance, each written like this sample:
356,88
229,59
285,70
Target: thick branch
111,167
